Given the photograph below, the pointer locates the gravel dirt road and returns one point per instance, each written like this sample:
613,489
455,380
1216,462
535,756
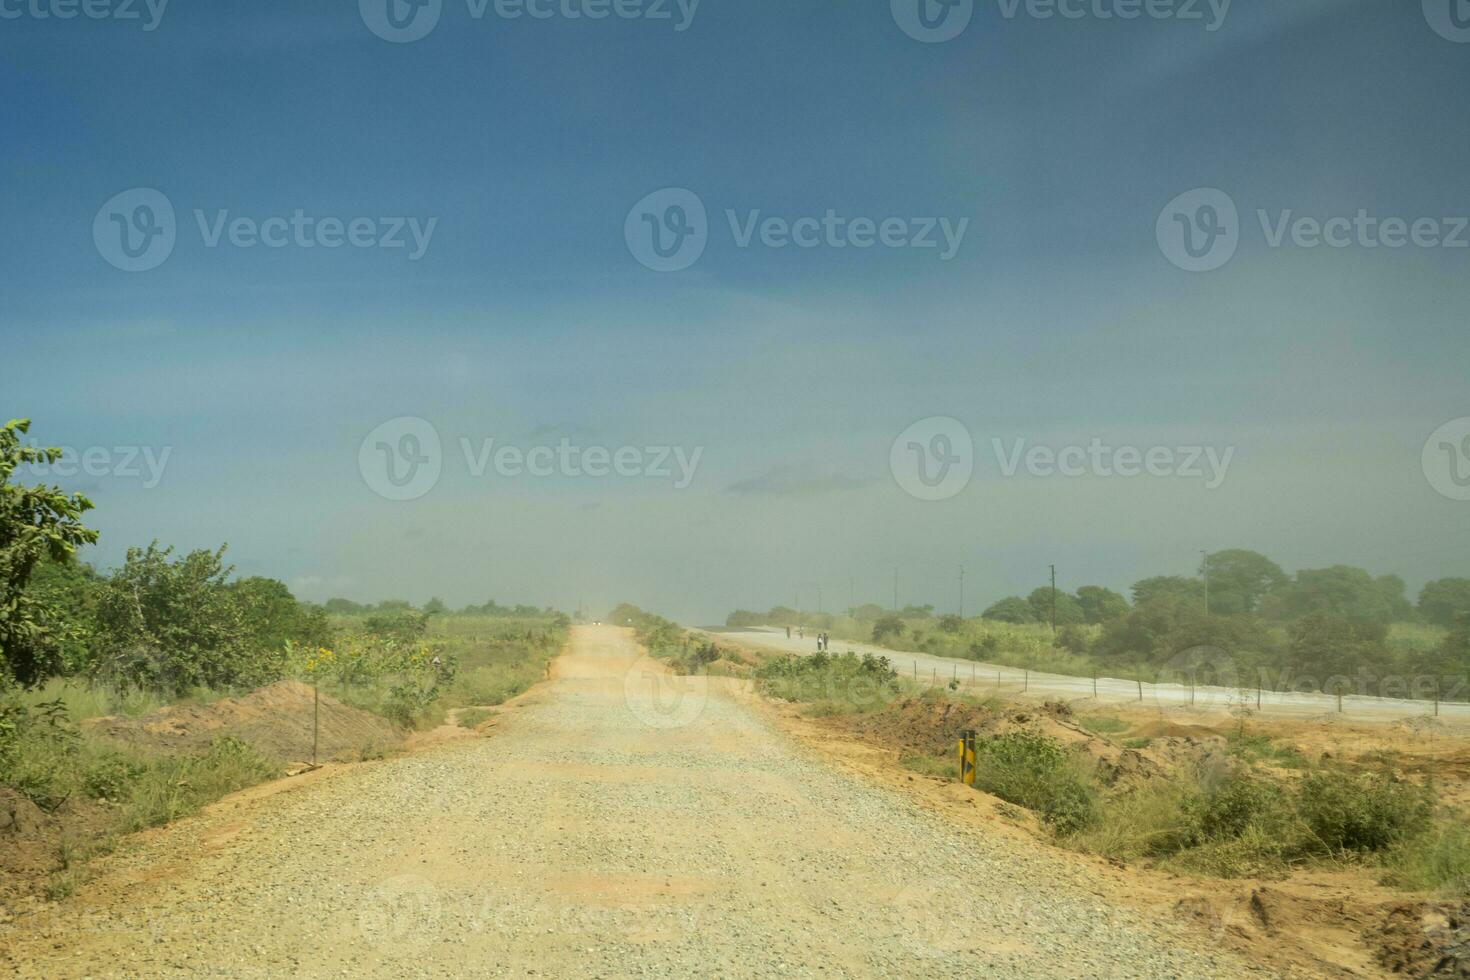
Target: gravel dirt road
616,822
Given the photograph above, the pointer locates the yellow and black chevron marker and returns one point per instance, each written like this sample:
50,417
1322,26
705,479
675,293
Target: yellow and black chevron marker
967,758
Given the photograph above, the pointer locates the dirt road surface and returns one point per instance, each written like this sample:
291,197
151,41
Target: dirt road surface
617,822
1202,662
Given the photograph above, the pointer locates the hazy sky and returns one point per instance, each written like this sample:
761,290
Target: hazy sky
526,313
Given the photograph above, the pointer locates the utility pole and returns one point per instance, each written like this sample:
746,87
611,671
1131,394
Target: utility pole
962,592
1054,600
1205,567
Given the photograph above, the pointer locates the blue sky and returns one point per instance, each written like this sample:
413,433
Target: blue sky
528,318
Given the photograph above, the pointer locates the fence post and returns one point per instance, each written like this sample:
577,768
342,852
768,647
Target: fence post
1094,685
916,670
1139,681
1026,681
316,713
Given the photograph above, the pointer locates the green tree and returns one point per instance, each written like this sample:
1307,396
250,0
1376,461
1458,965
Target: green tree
435,607
1325,645
1100,605
1344,591
888,627
1239,579
1012,609
173,624
1454,653
951,624
271,615
1069,610
36,523
1166,625
1442,600
1176,586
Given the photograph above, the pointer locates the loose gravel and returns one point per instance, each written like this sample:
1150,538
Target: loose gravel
619,823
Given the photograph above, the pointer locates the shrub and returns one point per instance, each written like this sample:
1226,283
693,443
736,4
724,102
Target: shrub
1436,860
1362,813
1034,771
848,681
1237,804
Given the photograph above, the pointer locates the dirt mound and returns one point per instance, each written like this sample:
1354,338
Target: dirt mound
276,720
927,725
30,841
1419,941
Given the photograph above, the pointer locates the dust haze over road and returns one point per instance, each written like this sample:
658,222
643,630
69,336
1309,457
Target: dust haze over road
618,822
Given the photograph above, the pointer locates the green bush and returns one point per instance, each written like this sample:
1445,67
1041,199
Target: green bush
1231,808
1435,860
1035,772
176,786
1361,813
847,681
